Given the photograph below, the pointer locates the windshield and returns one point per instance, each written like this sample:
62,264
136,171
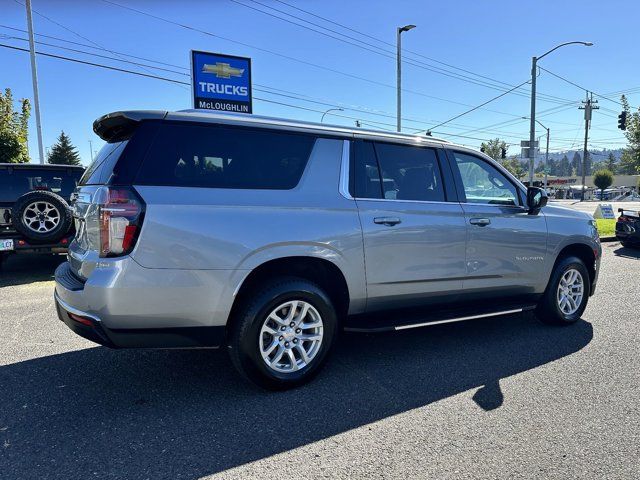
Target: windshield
101,168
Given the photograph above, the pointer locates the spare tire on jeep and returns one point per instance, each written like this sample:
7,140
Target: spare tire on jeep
42,216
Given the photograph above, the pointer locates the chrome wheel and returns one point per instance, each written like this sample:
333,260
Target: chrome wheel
41,217
570,291
291,336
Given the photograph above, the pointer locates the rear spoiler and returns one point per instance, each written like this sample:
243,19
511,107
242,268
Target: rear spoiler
117,126
628,213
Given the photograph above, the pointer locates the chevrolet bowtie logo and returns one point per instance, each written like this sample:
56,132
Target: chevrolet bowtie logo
222,70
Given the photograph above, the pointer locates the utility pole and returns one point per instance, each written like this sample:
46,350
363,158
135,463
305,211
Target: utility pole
34,78
91,151
588,107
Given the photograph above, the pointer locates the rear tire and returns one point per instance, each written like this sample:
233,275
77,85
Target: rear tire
567,293
281,336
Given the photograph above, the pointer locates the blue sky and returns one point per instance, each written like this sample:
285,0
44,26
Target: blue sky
495,39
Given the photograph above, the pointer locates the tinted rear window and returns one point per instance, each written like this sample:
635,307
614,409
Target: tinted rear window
225,157
16,182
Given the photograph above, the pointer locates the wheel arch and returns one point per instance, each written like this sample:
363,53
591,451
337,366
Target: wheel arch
584,252
321,271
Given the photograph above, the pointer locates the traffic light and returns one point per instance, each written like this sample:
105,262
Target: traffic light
622,121
503,152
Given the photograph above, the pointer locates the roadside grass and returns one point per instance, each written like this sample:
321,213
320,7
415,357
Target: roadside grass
606,227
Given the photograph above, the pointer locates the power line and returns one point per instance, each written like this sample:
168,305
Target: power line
288,57
388,43
257,87
376,49
579,86
480,106
72,31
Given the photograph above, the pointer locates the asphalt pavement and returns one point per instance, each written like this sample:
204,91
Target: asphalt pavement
497,398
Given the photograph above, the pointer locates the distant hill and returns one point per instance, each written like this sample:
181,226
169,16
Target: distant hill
596,155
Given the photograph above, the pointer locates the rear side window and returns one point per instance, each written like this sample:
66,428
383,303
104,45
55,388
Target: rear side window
396,172
409,173
225,157
102,166
367,182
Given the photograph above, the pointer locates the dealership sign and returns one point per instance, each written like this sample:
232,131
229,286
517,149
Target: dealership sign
221,82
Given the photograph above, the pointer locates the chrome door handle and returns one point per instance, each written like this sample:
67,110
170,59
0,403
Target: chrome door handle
481,222
388,221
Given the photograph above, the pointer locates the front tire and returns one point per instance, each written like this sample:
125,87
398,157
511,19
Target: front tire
567,293
282,334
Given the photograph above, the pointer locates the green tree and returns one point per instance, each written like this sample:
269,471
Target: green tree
63,152
576,163
564,169
13,129
514,166
494,148
602,179
630,160
610,163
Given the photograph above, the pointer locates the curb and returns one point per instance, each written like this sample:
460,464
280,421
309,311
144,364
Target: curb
608,239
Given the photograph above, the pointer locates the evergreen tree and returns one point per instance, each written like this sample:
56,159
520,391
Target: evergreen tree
63,152
630,160
610,163
576,163
564,170
13,129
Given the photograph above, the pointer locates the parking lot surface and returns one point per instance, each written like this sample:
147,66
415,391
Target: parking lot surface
498,398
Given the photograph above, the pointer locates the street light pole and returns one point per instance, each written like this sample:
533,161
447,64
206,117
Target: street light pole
532,117
546,160
34,78
532,125
406,28
331,110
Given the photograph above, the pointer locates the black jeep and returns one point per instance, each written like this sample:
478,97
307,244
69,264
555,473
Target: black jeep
34,211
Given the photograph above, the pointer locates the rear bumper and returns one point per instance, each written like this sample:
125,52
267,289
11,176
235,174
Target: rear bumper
91,328
97,309
23,245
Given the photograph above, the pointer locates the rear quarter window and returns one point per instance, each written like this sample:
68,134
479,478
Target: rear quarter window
225,157
102,166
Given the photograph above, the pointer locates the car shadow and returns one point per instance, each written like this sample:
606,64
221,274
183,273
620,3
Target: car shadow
23,268
627,252
187,414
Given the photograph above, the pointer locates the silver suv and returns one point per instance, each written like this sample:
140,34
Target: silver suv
269,236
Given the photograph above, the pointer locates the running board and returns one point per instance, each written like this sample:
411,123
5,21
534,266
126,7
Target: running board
458,319
378,324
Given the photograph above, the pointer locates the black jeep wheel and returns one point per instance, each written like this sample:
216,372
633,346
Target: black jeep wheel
42,216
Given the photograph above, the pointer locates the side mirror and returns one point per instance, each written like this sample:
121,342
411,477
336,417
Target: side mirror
536,199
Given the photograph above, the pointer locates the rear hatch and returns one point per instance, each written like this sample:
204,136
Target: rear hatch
107,211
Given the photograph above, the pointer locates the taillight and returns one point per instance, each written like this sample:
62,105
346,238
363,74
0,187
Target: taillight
120,214
623,219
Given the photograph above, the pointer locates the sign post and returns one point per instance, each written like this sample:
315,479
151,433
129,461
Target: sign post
221,82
